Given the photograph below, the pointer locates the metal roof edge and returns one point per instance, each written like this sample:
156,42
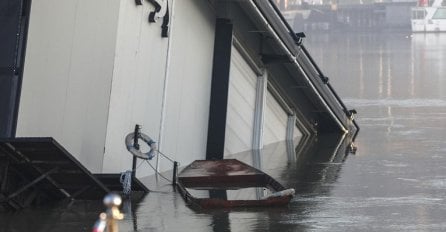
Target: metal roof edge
278,23
288,38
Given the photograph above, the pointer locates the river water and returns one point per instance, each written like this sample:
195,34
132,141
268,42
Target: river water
396,181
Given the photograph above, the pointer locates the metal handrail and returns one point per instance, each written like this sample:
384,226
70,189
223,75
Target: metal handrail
318,70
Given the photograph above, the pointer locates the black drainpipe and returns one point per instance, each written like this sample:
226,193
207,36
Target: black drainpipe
219,89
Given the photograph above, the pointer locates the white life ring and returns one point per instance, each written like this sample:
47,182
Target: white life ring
137,152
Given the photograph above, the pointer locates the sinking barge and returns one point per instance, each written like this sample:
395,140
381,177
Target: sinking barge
216,177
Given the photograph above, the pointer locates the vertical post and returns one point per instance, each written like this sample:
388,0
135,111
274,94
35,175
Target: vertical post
259,111
175,170
291,122
136,145
4,177
165,87
219,89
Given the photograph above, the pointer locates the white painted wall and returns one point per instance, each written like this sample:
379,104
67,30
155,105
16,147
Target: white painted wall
241,104
138,83
189,89
94,69
276,122
67,75
137,87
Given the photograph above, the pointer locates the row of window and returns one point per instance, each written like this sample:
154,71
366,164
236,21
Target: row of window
421,14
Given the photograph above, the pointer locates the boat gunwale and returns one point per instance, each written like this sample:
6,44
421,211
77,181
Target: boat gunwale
260,179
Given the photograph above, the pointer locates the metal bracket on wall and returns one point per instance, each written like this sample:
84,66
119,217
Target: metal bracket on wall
161,11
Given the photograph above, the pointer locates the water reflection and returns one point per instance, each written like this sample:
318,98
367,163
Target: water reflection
318,164
382,65
315,166
74,216
396,181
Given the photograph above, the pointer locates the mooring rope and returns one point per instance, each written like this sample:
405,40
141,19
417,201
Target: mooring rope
165,156
126,177
126,181
158,172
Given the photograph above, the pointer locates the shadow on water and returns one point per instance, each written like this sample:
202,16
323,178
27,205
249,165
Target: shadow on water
64,216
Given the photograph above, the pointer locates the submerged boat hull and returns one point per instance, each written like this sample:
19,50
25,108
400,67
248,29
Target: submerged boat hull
221,175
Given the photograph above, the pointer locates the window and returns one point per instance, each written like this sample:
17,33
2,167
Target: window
440,14
419,14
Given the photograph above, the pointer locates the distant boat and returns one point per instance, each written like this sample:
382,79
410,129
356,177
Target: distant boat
206,184
427,18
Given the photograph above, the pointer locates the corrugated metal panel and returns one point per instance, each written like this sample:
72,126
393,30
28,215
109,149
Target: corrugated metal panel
241,105
275,121
241,102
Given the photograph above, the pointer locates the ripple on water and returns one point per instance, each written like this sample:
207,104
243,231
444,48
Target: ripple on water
365,202
407,103
352,213
436,183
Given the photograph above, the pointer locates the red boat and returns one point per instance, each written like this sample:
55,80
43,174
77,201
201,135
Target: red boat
214,178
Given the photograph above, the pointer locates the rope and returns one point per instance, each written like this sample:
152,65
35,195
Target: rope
126,181
165,156
126,177
158,172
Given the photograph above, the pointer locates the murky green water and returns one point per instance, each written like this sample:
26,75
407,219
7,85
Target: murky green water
395,182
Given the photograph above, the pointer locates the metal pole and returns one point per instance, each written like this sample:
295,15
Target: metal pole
174,176
136,145
259,111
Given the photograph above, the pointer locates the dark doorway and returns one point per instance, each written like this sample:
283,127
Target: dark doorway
14,18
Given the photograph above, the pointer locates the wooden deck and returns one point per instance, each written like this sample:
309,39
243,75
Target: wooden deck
39,170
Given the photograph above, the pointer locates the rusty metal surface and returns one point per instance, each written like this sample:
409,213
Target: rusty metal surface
216,168
231,172
225,175
210,203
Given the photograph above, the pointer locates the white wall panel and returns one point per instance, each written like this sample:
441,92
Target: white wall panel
275,121
241,106
67,75
189,84
94,69
138,83
241,103
137,87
